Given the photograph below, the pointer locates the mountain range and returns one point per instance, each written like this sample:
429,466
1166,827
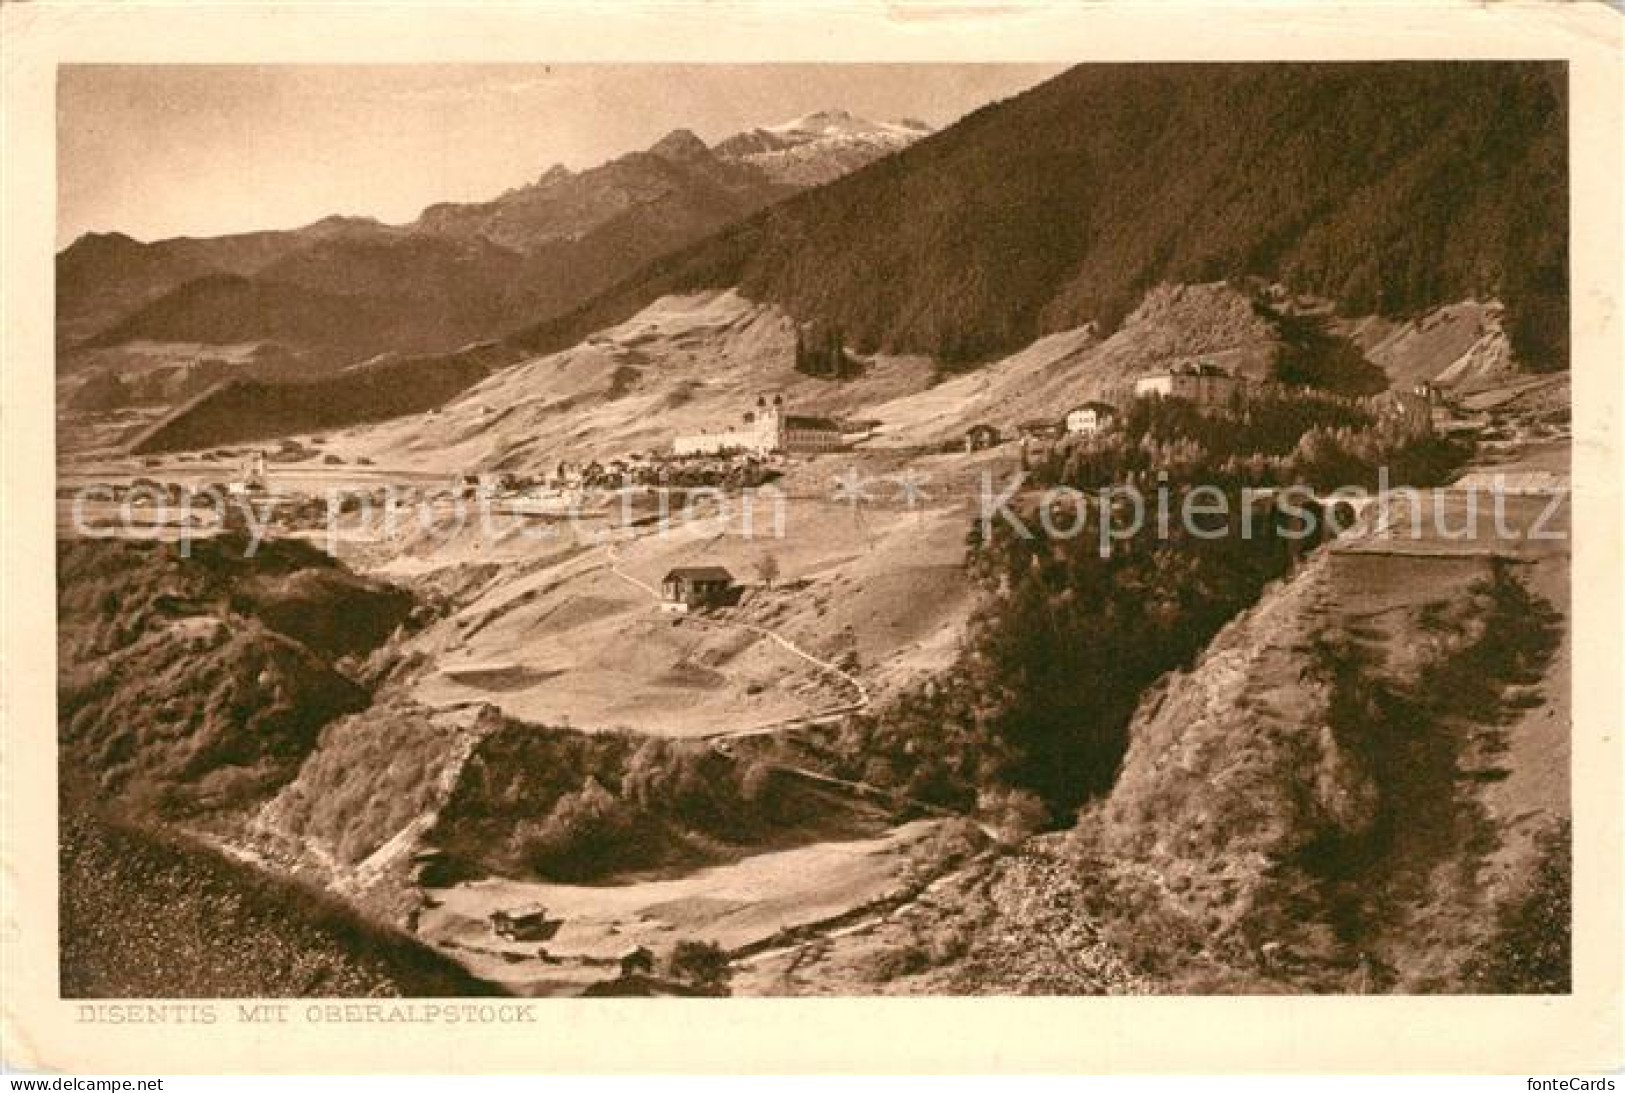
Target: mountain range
1387,189
345,288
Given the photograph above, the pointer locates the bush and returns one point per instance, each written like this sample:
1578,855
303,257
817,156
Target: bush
703,965
584,830
577,806
1016,813
904,960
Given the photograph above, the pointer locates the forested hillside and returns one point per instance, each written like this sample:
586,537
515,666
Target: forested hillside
1389,187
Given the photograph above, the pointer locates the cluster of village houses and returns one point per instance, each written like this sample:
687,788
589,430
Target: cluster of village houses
770,431
1208,387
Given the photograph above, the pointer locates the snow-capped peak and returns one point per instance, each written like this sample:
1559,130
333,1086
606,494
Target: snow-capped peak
839,123
820,146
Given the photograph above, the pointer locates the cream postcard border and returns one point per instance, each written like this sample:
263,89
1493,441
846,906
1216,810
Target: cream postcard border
1569,1034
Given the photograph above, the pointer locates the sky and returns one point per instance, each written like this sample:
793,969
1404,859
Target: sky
162,150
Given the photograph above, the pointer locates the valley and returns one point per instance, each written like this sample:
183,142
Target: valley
526,621
320,318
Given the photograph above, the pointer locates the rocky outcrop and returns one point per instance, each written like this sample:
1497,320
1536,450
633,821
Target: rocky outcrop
1306,809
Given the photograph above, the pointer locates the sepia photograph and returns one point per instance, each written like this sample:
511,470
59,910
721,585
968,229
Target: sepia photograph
819,549
848,529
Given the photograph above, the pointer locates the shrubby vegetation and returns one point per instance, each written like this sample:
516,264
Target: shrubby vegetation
702,965
369,776
1531,949
575,806
1310,355
1323,827
821,352
148,915
200,683
1280,437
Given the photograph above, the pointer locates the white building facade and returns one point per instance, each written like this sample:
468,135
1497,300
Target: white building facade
765,431
1207,387
1089,419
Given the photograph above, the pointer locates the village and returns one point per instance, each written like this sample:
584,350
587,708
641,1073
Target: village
687,631
288,489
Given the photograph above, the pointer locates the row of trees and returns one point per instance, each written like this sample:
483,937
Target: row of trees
1279,438
574,806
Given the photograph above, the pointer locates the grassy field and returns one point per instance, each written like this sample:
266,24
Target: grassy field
582,642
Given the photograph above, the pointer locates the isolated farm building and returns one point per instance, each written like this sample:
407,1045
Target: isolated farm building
688,587
766,430
1207,385
1090,418
981,436
528,923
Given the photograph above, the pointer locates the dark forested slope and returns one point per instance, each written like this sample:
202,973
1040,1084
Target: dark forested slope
1387,186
